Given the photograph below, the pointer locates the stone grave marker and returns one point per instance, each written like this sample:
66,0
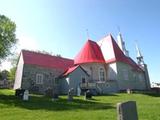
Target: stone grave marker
87,95
129,91
127,111
70,95
26,95
20,93
78,91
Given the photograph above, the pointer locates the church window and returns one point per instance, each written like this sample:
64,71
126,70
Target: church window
101,74
39,79
83,80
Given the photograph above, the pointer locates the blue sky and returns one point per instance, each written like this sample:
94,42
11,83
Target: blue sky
59,26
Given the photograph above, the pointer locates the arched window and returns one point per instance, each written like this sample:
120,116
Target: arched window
101,74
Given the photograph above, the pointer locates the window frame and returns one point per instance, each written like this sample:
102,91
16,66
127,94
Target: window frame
39,79
101,73
83,78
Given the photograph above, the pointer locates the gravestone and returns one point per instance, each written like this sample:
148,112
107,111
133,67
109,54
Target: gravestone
127,111
70,95
129,91
19,93
78,91
87,95
26,95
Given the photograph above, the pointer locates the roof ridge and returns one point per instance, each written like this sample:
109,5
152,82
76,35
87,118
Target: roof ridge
105,36
44,54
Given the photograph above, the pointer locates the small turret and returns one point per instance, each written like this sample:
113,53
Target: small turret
121,44
140,60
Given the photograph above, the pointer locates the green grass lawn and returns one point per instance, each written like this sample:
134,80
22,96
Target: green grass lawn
99,108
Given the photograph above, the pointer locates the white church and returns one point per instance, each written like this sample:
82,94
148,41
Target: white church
103,67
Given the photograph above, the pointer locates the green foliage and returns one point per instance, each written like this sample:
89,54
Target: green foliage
99,108
14,60
12,72
7,36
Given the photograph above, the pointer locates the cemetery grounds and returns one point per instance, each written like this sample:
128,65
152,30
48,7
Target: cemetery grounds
98,108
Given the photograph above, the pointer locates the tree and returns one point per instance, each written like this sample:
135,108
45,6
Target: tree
12,72
14,60
7,36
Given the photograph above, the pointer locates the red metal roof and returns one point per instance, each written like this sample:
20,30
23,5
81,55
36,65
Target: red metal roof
111,50
119,55
89,53
114,53
70,70
47,61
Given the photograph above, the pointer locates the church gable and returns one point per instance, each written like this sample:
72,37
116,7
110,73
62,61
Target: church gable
72,78
19,73
111,50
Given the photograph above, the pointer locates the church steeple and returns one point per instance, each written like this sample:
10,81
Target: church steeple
121,44
143,66
139,56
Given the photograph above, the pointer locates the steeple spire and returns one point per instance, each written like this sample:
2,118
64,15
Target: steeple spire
139,56
121,44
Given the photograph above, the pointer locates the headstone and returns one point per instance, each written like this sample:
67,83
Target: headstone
19,93
26,95
78,91
87,95
129,91
127,111
70,94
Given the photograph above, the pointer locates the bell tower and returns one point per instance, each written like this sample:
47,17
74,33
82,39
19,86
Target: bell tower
142,65
139,57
